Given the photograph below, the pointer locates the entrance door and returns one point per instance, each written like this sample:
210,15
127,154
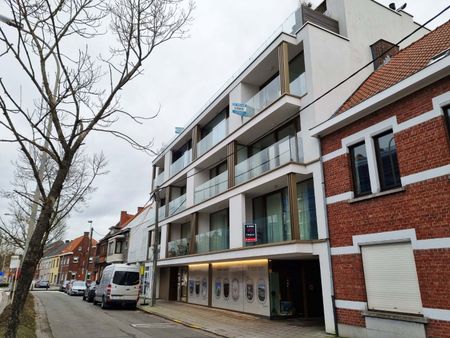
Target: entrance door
182,284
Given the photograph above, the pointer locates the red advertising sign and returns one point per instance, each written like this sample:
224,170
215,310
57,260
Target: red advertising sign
250,233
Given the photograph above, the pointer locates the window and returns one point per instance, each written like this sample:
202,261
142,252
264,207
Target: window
119,245
126,278
447,118
391,278
110,248
387,162
307,210
75,260
360,169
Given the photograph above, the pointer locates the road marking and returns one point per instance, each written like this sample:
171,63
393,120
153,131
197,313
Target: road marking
155,326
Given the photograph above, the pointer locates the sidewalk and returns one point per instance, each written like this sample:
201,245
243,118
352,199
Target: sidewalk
233,324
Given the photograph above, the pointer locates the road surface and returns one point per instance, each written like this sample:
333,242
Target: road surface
70,317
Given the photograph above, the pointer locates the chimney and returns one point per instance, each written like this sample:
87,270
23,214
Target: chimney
382,52
67,241
86,234
123,217
140,209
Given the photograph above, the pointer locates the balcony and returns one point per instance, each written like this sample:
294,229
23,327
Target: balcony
177,205
212,241
267,159
211,188
161,213
272,229
298,85
114,258
216,135
181,163
179,247
264,97
159,179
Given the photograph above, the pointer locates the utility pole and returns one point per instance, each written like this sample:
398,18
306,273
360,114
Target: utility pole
86,265
155,247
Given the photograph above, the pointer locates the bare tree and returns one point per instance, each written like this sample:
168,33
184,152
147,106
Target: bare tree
21,199
82,96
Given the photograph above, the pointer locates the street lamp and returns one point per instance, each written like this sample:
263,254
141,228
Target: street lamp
86,266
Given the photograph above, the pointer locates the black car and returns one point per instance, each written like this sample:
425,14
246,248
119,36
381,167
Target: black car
89,293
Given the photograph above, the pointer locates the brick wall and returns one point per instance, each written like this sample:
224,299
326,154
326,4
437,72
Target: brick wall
350,317
348,278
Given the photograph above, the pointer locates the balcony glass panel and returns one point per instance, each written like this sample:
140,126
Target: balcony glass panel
212,241
282,152
177,205
181,163
211,188
162,213
271,229
264,97
150,252
159,179
298,85
307,210
216,135
179,247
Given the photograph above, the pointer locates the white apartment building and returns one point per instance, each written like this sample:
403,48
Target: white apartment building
243,216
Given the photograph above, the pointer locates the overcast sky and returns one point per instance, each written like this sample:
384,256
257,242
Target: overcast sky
180,77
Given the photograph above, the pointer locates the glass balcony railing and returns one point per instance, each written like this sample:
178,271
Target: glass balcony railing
181,163
177,205
179,247
212,241
264,97
162,213
216,135
150,252
298,85
272,229
211,188
159,179
269,158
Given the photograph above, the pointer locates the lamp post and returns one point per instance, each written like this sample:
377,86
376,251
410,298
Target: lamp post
155,246
86,267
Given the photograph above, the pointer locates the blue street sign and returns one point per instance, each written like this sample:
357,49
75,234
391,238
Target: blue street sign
242,109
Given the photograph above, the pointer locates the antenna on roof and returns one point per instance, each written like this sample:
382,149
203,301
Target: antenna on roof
392,6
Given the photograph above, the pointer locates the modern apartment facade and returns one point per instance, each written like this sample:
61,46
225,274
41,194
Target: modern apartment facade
386,160
243,215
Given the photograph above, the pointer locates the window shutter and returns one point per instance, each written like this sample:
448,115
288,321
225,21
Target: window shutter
391,278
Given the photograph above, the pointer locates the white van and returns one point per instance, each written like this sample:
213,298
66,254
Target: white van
119,285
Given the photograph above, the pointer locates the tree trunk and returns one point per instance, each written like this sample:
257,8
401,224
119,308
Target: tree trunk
35,251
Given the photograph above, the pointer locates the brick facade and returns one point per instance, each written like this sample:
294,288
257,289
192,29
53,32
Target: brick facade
423,206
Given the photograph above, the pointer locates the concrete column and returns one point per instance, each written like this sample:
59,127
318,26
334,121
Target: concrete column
167,163
283,66
164,237
190,187
323,251
320,200
237,220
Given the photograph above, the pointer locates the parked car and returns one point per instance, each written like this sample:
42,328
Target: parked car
89,293
119,285
63,286
42,284
77,288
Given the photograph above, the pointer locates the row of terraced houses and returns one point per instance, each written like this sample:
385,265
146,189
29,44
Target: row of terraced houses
280,201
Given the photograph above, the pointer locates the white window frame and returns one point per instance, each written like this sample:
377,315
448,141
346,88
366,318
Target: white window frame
367,136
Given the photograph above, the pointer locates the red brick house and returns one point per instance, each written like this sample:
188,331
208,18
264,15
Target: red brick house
73,259
102,250
386,162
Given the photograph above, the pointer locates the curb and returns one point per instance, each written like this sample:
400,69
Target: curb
187,324
43,329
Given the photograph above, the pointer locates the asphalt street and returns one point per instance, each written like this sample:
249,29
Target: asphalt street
71,317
